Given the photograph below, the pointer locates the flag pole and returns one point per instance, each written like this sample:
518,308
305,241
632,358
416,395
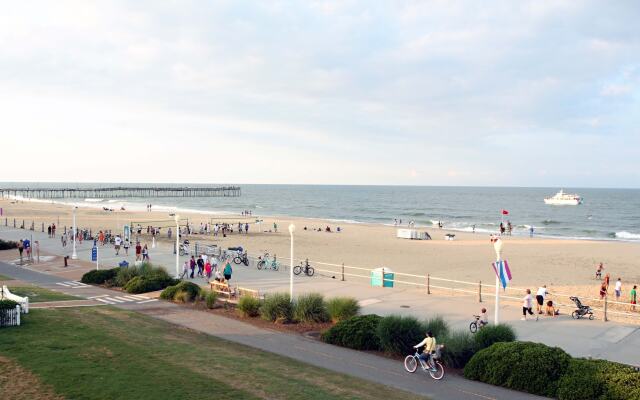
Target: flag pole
497,245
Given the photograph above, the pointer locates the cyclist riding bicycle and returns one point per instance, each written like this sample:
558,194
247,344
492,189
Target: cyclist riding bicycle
429,344
484,320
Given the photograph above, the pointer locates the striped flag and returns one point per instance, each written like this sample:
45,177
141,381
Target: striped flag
502,271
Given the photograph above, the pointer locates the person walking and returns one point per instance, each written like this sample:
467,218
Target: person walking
145,253
117,242
246,228
192,266
20,249
633,296
185,270
126,246
275,227
207,270
138,251
227,270
618,289
526,306
200,263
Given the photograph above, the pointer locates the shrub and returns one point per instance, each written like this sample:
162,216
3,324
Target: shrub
341,308
140,284
357,332
438,326
599,379
7,304
99,277
491,334
459,347
277,307
169,293
310,308
529,367
8,245
249,306
182,296
210,298
190,288
146,270
399,334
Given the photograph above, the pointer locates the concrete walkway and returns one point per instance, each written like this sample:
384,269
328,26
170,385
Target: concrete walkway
359,364
581,338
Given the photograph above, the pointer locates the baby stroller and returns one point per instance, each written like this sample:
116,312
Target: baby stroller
582,309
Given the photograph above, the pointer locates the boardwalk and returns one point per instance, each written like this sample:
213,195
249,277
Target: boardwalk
119,192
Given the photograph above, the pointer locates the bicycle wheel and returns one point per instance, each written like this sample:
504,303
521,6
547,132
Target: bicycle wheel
182,252
237,260
275,266
297,270
438,373
410,364
473,327
575,315
260,264
310,271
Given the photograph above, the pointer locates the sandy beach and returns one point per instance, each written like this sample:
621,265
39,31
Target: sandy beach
558,263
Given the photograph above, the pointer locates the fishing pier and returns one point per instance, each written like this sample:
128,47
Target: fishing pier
119,192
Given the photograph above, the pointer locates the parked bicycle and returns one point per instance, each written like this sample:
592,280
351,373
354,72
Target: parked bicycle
184,248
434,367
264,262
241,258
306,268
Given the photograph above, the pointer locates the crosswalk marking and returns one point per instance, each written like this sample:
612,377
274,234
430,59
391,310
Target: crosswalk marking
110,299
147,301
115,300
73,284
104,301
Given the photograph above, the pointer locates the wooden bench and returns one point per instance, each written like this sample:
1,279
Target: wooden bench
232,292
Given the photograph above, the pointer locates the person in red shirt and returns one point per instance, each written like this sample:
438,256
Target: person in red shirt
138,251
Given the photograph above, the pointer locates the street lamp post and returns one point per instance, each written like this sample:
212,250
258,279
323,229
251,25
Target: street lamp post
74,255
497,246
177,218
292,228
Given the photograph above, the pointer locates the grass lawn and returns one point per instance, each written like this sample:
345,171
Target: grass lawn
5,278
107,353
39,295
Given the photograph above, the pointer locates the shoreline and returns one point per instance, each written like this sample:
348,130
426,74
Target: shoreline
99,204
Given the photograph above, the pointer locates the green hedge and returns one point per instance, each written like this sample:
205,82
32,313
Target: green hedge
399,334
341,308
277,307
599,379
169,293
491,334
460,346
310,307
357,333
8,245
438,326
147,271
184,291
7,304
249,306
99,277
140,284
210,298
525,366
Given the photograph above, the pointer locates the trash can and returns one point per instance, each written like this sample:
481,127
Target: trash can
123,264
377,278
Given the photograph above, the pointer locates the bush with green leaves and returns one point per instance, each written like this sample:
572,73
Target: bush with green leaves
460,346
210,298
525,366
277,307
310,307
6,304
438,326
99,277
399,334
341,308
8,245
169,293
191,292
599,379
491,334
147,271
249,306
357,333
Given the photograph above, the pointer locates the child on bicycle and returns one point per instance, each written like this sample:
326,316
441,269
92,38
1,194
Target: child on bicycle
484,319
429,344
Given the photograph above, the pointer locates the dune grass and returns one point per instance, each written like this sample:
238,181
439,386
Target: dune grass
107,353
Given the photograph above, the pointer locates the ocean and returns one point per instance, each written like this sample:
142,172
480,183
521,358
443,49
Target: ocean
609,214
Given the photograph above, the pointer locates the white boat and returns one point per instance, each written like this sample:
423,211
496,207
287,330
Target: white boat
563,199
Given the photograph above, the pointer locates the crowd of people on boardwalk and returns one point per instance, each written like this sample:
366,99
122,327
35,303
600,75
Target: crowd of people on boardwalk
207,266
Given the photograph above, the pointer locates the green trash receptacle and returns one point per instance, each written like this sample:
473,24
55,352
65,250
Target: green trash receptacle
377,277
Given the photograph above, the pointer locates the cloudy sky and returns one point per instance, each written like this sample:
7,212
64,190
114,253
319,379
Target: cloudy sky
524,93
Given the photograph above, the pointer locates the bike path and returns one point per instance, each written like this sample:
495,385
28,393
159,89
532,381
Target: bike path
359,364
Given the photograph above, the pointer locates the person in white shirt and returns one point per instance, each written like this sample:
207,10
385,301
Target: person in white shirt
618,289
526,305
540,296
484,319
117,242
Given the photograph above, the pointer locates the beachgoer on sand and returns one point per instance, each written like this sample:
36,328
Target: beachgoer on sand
540,296
633,298
618,289
526,306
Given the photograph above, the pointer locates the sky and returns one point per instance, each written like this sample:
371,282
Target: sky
495,93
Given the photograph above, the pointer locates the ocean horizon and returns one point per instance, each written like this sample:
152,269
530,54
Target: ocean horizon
606,214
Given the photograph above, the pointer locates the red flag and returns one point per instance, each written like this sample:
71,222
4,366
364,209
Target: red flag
505,212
